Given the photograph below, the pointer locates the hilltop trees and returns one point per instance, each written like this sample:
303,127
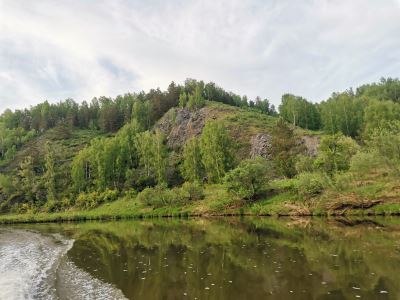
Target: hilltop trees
300,112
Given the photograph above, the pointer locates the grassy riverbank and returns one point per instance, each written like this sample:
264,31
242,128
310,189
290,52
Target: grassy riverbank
378,198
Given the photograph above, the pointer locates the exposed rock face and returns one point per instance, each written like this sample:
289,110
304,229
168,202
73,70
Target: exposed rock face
182,124
311,144
260,145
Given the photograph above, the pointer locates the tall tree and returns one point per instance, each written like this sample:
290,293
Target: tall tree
28,178
217,150
49,174
192,167
285,147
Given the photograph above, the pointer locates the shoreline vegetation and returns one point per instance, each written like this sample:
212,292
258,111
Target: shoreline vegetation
198,150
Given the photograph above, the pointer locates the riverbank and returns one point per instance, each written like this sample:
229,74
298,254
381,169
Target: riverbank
284,204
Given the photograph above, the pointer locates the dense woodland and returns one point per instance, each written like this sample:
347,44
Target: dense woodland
359,134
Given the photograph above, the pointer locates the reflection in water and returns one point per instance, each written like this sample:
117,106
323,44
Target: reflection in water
251,258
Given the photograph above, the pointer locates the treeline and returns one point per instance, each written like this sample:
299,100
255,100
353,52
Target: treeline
109,115
351,113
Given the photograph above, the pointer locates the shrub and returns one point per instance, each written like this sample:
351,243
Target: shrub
334,153
147,196
159,196
93,199
342,181
192,191
249,179
311,184
304,163
109,195
365,162
87,200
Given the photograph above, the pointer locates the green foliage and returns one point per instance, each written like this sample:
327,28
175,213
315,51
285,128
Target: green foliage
386,143
342,181
153,154
105,162
50,175
141,112
311,184
161,196
216,147
183,99
192,167
365,162
12,139
249,179
379,115
343,113
192,191
6,185
304,163
285,147
27,177
299,112
196,100
158,196
386,89
335,152
94,199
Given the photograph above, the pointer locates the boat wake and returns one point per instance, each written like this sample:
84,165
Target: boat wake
35,266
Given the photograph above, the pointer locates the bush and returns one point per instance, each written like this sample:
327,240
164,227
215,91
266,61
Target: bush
304,163
249,179
311,184
365,162
158,196
109,195
93,199
334,153
342,181
87,200
192,191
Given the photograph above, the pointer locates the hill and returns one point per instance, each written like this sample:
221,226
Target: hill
180,152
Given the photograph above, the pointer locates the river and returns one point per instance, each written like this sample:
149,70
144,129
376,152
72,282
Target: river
221,258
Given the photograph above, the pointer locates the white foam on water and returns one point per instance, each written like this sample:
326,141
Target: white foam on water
76,284
34,266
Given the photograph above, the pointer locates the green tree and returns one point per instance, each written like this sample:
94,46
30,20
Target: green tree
50,174
160,155
380,115
299,112
183,99
217,151
343,113
141,112
153,155
192,167
335,152
250,178
285,147
385,143
27,176
196,100
81,170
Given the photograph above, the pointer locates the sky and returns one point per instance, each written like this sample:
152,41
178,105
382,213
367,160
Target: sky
54,49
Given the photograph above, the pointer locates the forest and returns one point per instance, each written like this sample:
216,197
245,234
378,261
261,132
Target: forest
116,156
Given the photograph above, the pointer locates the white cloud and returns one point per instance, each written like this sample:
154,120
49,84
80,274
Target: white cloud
58,49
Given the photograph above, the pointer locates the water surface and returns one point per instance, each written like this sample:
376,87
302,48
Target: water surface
227,258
